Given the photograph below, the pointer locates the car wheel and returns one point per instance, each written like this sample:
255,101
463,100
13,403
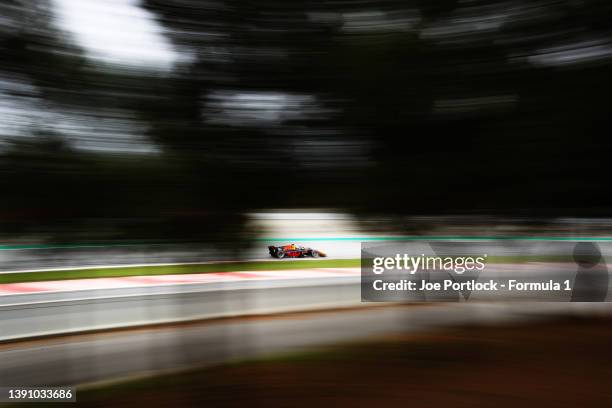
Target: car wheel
280,254
314,254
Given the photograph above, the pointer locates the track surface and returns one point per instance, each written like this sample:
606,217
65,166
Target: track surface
134,285
58,307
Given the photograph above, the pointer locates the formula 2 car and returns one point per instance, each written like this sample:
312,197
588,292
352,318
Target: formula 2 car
293,251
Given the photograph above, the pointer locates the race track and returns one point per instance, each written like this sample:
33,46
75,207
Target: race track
58,307
34,309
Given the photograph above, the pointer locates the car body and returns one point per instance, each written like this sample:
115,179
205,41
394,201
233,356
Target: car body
294,251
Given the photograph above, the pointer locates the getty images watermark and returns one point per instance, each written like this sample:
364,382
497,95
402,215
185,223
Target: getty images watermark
422,271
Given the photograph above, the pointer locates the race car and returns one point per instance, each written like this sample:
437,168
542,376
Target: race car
293,251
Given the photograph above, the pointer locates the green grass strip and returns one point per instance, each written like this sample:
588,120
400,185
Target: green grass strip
176,269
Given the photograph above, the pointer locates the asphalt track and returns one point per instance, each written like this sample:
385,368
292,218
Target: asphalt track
33,309
128,354
73,306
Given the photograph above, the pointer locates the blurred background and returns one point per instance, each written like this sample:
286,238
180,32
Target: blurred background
149,133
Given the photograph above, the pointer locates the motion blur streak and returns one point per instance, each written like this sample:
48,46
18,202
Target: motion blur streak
172,118
116,31
85,359
165,131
